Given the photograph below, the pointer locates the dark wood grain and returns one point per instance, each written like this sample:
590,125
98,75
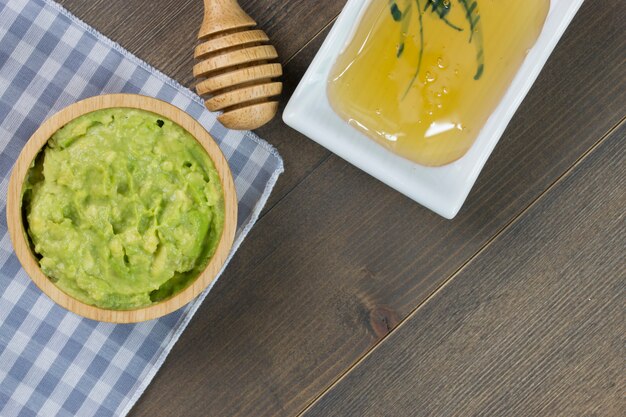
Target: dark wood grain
300,154
164,32
534,326
341,259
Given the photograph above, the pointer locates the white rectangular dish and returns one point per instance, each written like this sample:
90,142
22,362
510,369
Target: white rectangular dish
441,189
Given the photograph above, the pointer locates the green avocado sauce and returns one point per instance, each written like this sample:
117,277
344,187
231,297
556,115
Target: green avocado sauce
123,208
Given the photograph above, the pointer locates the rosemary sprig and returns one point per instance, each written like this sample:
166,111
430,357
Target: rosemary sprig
473,17
396,14
471,14
404,18
421,51
441,8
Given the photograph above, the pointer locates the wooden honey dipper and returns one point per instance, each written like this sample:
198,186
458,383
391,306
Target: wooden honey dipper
235,71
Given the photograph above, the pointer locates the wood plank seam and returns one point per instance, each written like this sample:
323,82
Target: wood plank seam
313,38
315,168
448,280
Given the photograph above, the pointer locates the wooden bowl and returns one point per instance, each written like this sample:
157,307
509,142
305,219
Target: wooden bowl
18,232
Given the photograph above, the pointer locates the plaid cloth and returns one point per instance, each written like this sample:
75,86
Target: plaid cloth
53,362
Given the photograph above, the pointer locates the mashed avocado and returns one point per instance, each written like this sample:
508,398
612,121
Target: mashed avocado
123,207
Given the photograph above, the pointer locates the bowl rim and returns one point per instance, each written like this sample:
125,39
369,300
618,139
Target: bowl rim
17,231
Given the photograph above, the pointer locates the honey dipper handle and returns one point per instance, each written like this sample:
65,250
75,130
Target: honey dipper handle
223,15
236,70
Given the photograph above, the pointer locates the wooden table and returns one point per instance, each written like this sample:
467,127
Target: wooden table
349,299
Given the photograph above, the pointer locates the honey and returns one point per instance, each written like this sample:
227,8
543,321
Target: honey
421,77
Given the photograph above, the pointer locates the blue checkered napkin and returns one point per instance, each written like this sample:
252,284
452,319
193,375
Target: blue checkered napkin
53,362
